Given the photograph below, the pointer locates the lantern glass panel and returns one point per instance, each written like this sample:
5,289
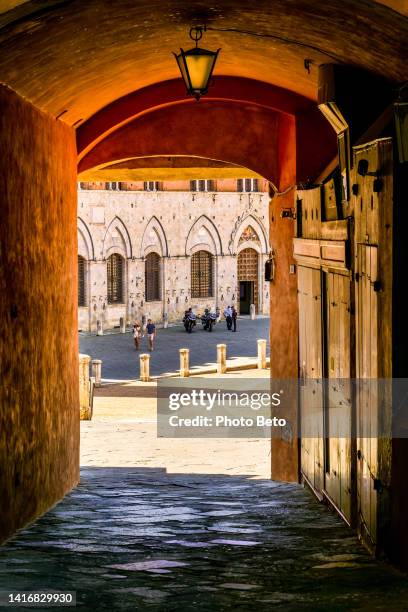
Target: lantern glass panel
200,68
182,66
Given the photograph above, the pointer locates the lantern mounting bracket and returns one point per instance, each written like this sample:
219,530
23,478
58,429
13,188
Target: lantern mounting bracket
196,33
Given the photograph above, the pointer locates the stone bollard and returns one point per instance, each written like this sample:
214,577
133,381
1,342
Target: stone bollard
184,362
122,325
165,320
144,367
221,358
99,328
252,311
85,408
97,371
261,354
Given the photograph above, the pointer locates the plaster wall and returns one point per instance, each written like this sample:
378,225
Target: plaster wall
39,395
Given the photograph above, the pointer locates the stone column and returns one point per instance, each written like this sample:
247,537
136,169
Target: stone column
85,412
184,362
97,371
145,367
39,371
122,325
252,311
261,354
221,358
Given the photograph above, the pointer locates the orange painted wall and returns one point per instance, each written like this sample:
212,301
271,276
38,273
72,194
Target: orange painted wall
39,404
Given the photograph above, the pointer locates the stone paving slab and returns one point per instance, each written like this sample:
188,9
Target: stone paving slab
123,432
139,539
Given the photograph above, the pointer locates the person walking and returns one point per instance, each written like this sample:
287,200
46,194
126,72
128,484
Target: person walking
228,316
151,333
234,318
137,334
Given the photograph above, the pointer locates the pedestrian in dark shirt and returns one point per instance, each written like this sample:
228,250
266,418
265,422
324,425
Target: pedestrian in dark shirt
234,318
151,333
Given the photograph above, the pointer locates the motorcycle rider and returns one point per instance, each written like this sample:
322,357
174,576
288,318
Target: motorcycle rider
189,320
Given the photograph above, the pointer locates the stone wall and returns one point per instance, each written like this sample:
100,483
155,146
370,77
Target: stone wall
173,224
39,404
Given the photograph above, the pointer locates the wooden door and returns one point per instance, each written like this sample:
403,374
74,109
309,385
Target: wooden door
338,396
248,270
366,392
310,361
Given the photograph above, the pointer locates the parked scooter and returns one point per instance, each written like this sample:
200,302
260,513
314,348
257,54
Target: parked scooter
208,319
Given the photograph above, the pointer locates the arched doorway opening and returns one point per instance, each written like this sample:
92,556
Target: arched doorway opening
71,98
248,280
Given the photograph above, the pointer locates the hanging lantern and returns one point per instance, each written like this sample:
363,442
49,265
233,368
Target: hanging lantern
196,66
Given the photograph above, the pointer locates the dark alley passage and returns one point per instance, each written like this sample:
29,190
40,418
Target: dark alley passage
147,540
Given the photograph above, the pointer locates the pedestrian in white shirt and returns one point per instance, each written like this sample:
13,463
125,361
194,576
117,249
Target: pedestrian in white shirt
228,316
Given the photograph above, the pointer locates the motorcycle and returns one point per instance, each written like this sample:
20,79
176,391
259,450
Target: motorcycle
189,321
208,319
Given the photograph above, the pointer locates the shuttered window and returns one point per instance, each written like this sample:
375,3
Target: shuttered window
247,185
202,185
151,186
115,270
81,281
152,277
202,275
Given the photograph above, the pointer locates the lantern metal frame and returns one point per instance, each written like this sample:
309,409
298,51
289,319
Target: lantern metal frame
196,33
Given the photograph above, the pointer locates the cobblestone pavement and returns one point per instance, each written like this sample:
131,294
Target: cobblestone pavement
121,360
132,539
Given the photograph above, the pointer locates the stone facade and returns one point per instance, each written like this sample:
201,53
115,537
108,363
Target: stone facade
175,223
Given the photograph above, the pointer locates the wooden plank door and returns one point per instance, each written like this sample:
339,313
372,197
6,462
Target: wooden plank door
338,396
366,392
310,361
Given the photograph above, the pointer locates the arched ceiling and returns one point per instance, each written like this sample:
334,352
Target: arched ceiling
72,58
160,168
238,134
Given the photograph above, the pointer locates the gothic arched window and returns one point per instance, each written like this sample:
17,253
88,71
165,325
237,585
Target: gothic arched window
201,274
115,274
152,277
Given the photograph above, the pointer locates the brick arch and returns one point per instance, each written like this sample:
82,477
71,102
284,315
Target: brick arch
162,247
125,248
83,230
216,245
208,130
259,229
